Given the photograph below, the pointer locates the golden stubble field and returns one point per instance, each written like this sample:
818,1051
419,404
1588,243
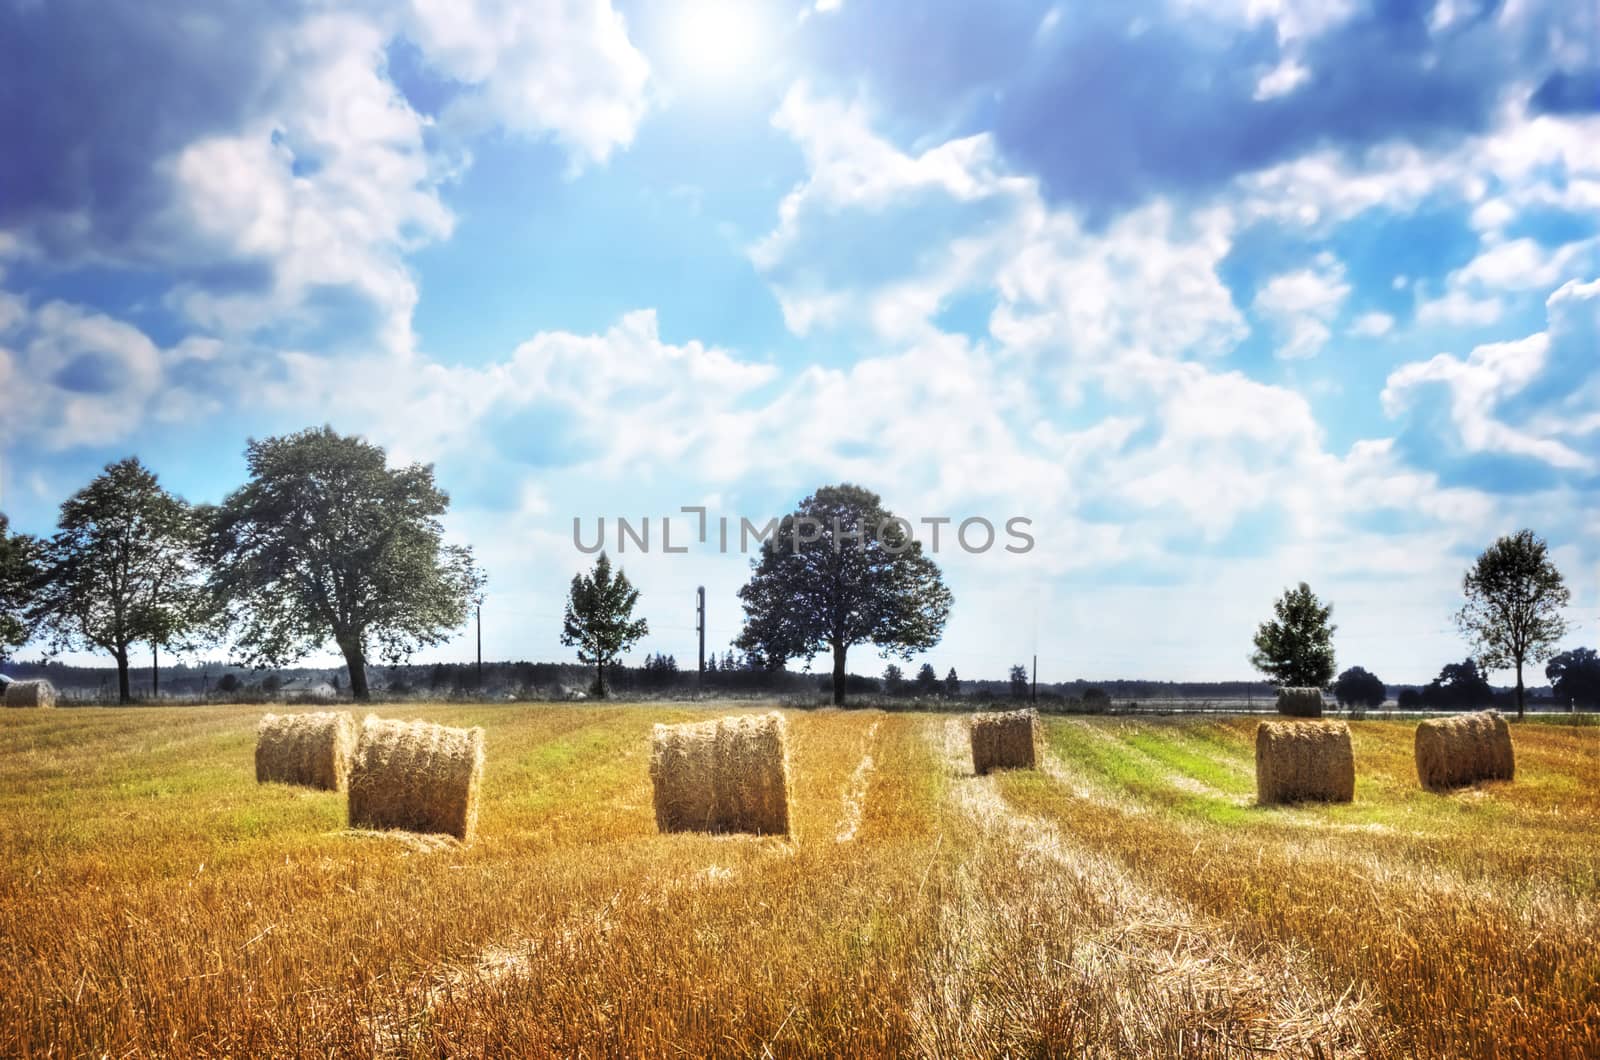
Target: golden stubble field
1127,899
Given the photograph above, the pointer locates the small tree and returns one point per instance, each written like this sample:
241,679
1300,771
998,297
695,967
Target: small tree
1514,598
1295,648
19,555
1458,685
1019,682
952,683
327,542
1575,677
1357,687
894,679
599,620
927,680
121,569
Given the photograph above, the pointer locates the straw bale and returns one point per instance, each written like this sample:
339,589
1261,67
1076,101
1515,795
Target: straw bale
1004,740
1464,749
39,693
1298,760
727,775
417,777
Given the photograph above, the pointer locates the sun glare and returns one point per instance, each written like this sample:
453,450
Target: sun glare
719,39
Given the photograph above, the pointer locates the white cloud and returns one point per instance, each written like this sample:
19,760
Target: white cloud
330,184
73,376
1065,291
563,68
1302,304
619,398
1372,325
1561,358
1459,309
1518,265
1281,80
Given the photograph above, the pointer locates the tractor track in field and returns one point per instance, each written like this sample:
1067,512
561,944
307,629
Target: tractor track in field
855,792
1250,1002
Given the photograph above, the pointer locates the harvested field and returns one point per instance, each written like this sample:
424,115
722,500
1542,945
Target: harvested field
151,893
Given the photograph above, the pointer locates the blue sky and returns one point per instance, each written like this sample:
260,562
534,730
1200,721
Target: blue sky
1221,296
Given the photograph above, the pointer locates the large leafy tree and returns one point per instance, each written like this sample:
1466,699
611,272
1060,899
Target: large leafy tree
1358,687
327,542
599,621
1295,646
1575,677
837,572
122,569
18,569
1514,599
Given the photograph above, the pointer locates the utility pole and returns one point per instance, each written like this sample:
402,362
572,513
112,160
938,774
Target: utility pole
480,645
1036,679
700,628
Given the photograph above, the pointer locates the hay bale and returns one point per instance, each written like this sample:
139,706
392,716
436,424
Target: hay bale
39,693
727,775
1300,702
1464,749
417,777
1004,740
1298,760
309,749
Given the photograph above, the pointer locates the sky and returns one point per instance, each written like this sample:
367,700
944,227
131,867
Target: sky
1219,297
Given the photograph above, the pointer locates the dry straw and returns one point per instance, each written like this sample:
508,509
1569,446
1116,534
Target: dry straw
30,694
728,775
309,749
1004,740
416,776
1300,702
1464,749
1298,760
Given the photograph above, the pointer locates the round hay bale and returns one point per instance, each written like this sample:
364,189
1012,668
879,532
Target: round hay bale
1464,749
1300,702
1300,760
309,749
1004,740
40,693
417,777
727,775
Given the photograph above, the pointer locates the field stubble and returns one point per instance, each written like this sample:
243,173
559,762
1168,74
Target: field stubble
1126,899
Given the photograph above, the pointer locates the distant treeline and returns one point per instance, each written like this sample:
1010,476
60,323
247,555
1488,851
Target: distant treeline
659,675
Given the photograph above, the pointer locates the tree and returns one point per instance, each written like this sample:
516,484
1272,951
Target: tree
893,679
927,680
1409,699
1458,685
1019,682
19,555
1295,648
1514,598
121,569
599,620
1575,677
952,683
327,542
1357,687
841,571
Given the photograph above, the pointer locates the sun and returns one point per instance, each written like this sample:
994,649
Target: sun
719,40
